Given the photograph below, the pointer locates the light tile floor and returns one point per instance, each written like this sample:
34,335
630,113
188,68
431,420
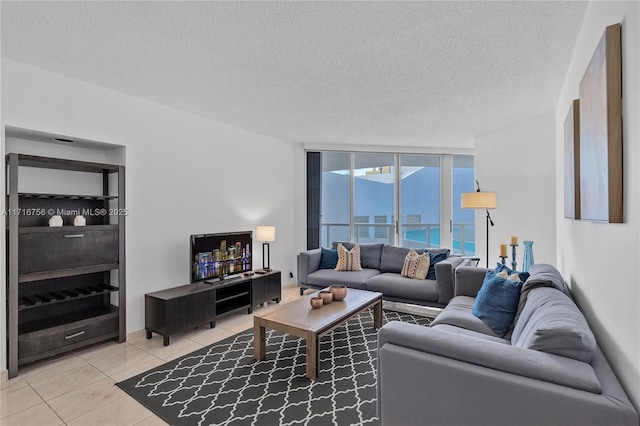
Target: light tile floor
79,388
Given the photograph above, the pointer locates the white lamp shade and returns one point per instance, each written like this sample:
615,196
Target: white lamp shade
266,233
479,200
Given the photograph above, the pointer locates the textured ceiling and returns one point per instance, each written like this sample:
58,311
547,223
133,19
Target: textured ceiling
376,73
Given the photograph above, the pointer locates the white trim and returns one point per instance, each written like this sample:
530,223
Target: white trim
397,208
389,149
352,193
446,203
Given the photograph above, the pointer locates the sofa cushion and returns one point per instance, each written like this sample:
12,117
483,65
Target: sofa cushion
541,275
352,279
544,275
470,333
348,260
458,313
392,259
416,265
370,254
328,258
497,302
550,322
395,285
433,259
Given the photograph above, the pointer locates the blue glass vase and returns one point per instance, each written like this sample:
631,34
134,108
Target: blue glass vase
527,262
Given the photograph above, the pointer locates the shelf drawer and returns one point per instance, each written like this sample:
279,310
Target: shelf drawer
66,248
30,345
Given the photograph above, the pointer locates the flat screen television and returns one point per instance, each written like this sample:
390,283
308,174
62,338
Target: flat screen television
215,256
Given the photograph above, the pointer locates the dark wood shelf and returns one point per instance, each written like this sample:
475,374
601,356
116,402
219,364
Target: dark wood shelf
73,197
64,164
233,296
62,281
70,317
77,229
234,304
66,295
68,272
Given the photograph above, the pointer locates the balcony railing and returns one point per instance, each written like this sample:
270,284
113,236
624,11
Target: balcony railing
415,235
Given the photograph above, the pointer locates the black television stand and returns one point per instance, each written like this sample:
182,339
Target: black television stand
183,308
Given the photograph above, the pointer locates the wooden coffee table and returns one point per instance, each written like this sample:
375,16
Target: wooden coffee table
299,319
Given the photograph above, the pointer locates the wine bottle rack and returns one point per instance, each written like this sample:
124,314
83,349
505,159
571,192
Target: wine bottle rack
40,299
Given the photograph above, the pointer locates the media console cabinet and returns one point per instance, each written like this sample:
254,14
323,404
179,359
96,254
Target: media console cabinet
182,308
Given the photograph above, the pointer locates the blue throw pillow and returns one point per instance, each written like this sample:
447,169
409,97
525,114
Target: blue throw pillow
434,258
497,302
328,258
500,267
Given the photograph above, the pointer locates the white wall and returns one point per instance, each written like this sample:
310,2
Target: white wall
518,162
601,261
185,174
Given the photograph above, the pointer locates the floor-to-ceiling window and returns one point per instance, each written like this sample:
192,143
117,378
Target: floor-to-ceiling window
412,200
463,224
335,204
420,200
374,201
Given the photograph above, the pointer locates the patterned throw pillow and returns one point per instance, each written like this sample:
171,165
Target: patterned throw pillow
423,266
415,266
348,260
512,277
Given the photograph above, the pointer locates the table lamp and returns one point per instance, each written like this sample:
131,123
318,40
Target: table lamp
266,234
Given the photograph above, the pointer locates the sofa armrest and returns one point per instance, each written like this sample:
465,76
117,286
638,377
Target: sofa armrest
308,262
468,280
497,356
445,276
443,377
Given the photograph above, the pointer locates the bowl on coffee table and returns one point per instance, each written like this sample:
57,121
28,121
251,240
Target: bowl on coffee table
326,295
338,291
316,302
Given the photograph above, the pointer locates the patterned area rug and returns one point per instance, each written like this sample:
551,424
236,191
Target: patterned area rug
222,384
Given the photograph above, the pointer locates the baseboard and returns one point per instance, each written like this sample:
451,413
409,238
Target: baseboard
409,308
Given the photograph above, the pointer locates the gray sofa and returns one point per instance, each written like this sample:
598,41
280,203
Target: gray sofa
547,370
381,267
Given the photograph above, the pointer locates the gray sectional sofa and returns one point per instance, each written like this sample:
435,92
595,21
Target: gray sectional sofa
547,370
381,267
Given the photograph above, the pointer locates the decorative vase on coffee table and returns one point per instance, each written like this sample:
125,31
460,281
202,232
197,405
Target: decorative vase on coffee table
527,261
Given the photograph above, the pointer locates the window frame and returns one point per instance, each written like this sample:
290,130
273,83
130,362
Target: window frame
446,194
